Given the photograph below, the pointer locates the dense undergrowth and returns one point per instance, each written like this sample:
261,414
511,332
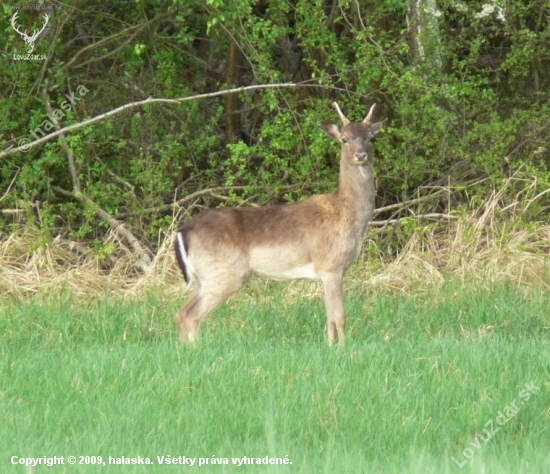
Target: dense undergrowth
463,86
486,244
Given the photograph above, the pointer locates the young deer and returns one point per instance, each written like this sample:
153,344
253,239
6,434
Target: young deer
317,239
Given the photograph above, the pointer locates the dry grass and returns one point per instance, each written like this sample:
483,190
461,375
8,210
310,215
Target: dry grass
481,247
461,251
485,246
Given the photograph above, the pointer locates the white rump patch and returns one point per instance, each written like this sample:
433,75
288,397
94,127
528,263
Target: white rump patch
186,258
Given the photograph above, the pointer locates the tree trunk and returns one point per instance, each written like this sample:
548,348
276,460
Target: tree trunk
232,103
424,37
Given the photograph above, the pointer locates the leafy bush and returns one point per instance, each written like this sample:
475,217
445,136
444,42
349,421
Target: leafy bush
463,85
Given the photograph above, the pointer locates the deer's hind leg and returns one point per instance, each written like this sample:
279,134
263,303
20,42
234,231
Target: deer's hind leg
206,297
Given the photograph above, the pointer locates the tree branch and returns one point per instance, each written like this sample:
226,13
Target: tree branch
438,216
11,185
64,144
405,204
113,37
142,252
70,128
110,53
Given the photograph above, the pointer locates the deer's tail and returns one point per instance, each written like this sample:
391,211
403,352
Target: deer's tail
182,254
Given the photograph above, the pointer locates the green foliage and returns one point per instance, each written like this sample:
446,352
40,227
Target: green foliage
469,104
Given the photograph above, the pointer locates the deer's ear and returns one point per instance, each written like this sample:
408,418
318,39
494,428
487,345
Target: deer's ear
331,130
375,127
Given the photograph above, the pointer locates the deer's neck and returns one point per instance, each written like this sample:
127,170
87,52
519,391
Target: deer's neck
356,192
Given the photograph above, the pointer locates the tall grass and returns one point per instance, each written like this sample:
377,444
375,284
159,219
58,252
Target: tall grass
491,242
445,331
420,378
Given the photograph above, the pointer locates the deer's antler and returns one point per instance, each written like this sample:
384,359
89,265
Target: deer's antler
344,119
369,115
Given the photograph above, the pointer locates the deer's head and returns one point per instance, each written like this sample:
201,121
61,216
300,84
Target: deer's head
355,137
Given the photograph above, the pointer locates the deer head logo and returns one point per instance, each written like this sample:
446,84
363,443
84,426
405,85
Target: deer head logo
26,38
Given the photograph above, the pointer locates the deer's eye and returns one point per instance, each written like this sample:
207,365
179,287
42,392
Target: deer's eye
344,140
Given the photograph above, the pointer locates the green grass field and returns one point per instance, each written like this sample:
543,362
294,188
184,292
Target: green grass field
423,379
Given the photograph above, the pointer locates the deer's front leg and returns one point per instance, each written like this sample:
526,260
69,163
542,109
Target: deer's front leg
336,312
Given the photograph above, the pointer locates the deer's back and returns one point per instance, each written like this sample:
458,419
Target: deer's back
284,241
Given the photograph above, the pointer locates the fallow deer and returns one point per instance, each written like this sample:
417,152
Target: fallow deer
318,238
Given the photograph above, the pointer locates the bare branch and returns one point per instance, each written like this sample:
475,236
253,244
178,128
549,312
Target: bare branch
405,204
64,144
104,41
435,215
11,185
70,128
110,53
145,258
142,252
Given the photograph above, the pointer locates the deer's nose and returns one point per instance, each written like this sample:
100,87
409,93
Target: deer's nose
360,156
